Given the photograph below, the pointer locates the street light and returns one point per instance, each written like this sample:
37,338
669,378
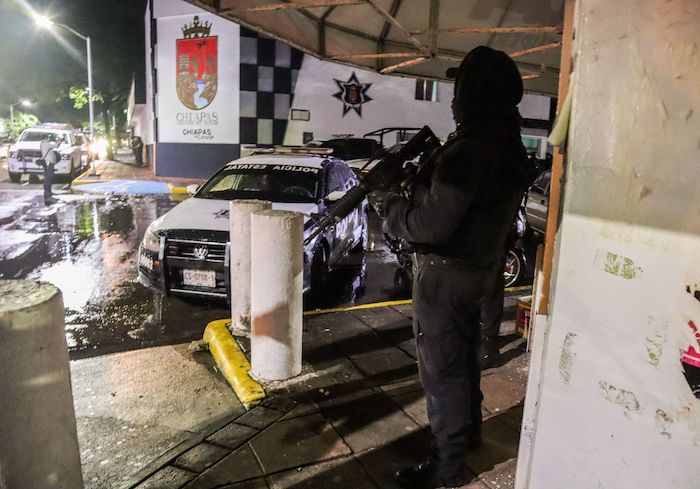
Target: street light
25,103
46,23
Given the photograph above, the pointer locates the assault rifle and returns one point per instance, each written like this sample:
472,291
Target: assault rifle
387,173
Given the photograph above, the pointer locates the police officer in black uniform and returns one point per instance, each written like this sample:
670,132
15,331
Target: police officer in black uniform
459,220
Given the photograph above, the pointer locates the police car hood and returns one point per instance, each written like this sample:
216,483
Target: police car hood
212,215
34,146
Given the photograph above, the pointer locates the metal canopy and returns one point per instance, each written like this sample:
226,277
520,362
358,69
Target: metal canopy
417,38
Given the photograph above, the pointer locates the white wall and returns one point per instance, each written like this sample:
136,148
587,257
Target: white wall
393,103
615,410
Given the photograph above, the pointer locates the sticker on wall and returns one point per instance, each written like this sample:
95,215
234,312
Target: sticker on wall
196,65
353,94
690,361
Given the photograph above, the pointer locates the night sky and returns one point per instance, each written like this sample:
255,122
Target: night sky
34,65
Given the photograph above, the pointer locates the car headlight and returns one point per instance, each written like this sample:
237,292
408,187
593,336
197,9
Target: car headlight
65,156
151,241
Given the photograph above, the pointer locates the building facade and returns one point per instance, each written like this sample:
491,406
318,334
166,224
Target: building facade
213,86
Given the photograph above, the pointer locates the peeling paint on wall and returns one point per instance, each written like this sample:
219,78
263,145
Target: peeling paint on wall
566,360
617,265
662,421
656,339
627,400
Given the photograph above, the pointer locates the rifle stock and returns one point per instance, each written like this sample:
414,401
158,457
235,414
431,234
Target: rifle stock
387,173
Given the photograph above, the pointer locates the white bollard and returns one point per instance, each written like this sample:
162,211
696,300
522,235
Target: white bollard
239,227
38,436
277,270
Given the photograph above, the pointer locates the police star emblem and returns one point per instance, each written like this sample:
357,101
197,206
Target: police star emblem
353,94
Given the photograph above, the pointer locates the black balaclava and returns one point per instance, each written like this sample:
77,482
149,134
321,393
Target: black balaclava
488,89
487,83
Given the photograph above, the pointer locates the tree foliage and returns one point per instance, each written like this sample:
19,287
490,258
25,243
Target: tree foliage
22,121
79,96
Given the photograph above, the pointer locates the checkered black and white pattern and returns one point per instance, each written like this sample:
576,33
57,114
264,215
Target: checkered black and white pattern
269,71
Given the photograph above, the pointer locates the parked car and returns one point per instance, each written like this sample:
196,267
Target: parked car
25,152
356,152
537,202
185,251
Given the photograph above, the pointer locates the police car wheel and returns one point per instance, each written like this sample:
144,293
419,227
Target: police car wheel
15,177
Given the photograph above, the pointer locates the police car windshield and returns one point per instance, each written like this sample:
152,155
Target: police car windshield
276,183
36,136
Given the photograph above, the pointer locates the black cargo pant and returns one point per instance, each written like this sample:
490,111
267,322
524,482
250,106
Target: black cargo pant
491,313
446,297
48,180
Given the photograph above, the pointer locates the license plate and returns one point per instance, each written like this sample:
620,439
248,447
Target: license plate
199,278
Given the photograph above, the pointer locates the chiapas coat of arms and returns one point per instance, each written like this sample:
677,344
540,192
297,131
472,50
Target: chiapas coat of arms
196,65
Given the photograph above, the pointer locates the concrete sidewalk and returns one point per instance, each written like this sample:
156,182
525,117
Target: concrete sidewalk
353,417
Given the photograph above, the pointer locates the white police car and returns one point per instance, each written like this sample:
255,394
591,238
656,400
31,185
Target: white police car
185,251
25,152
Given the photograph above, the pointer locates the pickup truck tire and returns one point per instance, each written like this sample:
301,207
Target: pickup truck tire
15,177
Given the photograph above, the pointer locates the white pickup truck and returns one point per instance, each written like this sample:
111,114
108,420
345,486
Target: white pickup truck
25,152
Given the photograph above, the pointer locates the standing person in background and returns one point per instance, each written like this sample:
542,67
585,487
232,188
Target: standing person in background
137,148
49,154
459,223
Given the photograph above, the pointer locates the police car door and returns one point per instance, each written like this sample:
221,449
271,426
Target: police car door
338,234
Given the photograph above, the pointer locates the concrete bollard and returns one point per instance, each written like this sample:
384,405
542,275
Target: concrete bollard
239,227
38,436
277,272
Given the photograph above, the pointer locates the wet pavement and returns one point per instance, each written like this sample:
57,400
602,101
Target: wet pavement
87,246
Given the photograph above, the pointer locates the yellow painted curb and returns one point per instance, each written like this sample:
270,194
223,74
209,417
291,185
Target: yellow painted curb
232,363
77,180
174,189
403,302
359,307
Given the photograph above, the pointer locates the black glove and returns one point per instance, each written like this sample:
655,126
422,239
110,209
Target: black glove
380,201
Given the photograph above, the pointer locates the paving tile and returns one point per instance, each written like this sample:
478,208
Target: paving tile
238,466
477,484
382,317
259,417
200,457
260,483
338,396
279,402
513,417
503,389
309,407
343,473
382,361
502,476
167,478
233,435
400,387
296,442
383,462
331,328
500,443
363,343
413,404
405,309
370,424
